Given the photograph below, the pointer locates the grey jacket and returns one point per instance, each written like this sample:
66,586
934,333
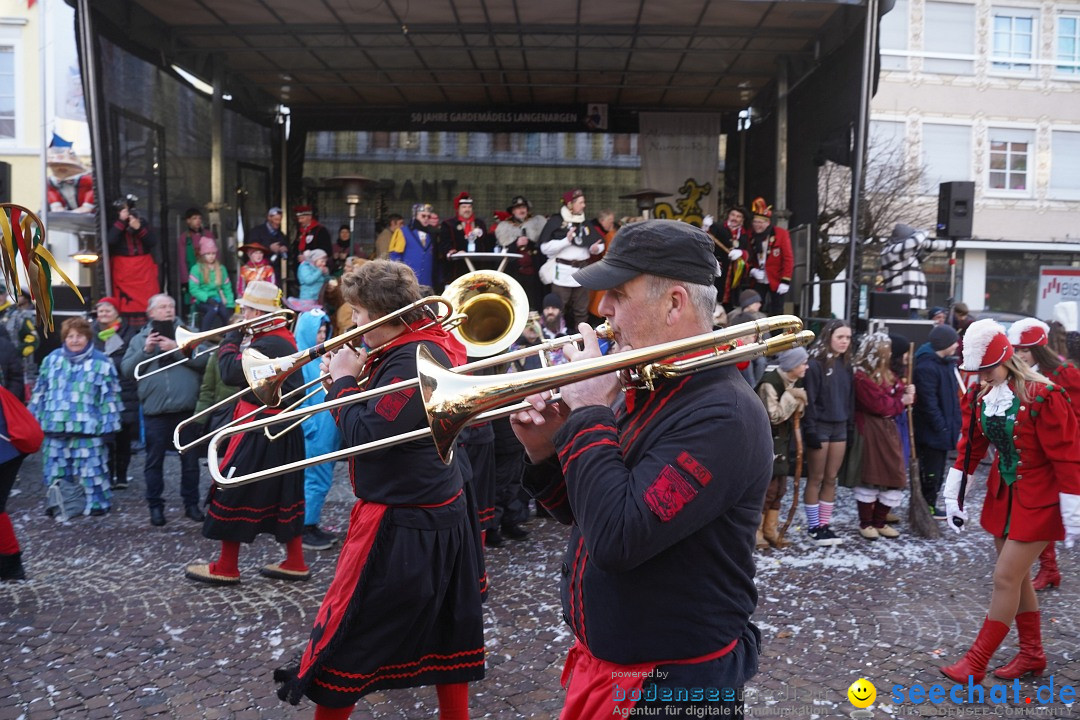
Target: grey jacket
176,389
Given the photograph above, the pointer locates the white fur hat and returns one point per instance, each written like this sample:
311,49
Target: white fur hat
985,345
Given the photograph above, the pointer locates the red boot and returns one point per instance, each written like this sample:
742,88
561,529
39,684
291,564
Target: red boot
976,659
1031,659
1048,575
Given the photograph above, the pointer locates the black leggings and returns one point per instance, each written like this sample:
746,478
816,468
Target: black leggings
120,451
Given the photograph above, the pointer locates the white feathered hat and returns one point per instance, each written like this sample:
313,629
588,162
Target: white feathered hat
1029,332
985,345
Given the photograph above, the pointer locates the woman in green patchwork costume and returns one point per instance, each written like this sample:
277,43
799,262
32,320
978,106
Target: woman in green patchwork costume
77,401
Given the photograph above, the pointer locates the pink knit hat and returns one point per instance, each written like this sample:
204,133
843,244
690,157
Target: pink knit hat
207,245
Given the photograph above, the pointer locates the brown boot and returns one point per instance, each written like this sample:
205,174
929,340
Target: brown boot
760,543
771,531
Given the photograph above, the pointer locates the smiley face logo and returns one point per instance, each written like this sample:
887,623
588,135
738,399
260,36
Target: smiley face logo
862,693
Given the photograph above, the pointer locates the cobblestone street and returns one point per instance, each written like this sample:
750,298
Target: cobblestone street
107,626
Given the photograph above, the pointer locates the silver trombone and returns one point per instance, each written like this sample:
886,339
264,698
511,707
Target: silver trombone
265,375
187,342
453,400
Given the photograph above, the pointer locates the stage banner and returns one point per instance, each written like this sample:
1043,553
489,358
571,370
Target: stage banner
680,155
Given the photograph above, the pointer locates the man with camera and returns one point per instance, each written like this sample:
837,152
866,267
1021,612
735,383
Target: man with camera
568,242
134,270
167,398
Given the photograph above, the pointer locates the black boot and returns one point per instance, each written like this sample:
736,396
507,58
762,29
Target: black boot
493,538
194,513
157,515
514,531
11,567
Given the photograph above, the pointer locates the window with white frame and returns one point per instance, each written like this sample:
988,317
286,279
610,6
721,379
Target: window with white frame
1014,40
1065,164
1010,151
946,154
894,36
1068,44
949,31
7,92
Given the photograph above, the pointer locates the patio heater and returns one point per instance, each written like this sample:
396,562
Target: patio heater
646,200
352,187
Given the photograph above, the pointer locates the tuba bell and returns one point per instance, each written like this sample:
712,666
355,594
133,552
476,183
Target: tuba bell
495,307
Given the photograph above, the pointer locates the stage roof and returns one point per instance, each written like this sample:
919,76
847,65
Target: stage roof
325,58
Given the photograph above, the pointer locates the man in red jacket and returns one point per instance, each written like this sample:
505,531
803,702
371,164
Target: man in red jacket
771,258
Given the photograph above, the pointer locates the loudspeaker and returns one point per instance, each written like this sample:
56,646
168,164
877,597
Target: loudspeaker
890,305
956,206
5,182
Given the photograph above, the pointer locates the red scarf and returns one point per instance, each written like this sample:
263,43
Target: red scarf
417,333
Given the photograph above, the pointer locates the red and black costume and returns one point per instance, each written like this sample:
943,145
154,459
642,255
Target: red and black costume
664,495
70,193
404,607
276,505
134,271
734,276
454,237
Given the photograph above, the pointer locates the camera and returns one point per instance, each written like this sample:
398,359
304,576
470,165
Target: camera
128,201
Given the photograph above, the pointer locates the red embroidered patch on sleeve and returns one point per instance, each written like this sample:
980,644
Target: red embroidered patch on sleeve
697,471
668,494
389,406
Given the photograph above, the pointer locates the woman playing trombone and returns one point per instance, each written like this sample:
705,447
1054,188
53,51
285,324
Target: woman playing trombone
403,609
237,514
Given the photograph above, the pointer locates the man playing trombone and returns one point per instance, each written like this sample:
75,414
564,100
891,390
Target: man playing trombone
663,490
237,514
403,609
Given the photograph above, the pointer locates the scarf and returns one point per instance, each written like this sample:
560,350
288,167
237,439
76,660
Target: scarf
80,356
571,217
108,332
417,333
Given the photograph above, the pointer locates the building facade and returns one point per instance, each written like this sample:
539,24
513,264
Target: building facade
989,91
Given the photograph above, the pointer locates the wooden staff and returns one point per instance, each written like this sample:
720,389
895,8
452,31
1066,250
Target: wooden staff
797,474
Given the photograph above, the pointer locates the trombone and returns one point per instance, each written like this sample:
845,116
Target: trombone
492,309
265,375
453,400
187,341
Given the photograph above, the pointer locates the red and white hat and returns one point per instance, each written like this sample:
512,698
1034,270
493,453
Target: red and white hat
985,346
1029,332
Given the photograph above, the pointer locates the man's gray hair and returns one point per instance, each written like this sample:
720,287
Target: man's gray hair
156,300
702,297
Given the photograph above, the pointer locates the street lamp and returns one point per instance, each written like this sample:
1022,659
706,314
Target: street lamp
646,200
352,187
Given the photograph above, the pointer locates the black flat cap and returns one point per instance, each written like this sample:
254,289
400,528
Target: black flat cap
667,248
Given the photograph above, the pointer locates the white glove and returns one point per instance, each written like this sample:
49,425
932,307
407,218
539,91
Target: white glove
735,255
954,516
1070,517
706,222
475,234
758,274
782,288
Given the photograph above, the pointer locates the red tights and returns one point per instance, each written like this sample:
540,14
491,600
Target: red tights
228,562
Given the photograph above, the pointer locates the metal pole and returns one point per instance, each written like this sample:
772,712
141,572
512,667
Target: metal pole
858,165
88,61
217,154
780,201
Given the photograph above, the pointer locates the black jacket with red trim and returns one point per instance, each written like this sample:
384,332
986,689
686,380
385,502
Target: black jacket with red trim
665,496
408,474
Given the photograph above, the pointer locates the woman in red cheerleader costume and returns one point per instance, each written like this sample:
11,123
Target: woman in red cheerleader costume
1032,494
1030,338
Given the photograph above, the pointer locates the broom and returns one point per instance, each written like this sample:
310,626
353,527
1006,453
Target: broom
919,518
